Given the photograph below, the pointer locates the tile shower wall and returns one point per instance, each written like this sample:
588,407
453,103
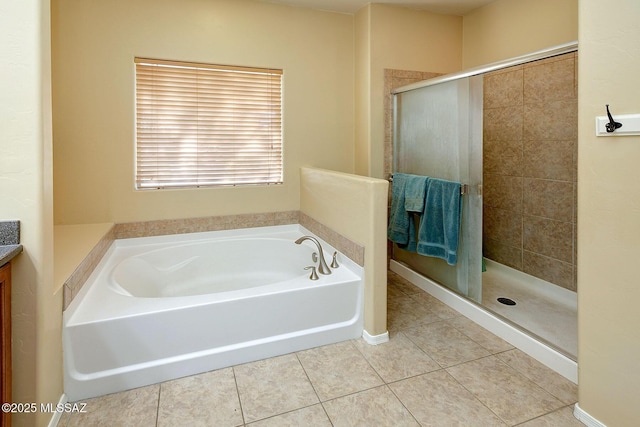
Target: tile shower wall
530,168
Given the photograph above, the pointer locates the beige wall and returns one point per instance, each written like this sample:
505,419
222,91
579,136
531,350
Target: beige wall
405,39
508,28
25,191
94,44
609,215
356,207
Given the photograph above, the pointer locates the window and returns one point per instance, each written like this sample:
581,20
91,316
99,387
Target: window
200,125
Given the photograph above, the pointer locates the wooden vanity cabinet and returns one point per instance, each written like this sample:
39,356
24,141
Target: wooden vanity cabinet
5,340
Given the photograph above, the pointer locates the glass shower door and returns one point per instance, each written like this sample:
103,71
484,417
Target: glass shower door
438,133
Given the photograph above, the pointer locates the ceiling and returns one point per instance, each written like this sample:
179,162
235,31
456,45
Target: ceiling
448,7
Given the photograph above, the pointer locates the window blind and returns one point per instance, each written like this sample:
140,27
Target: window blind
201,125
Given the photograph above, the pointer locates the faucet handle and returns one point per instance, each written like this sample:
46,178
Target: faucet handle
334,263
314,275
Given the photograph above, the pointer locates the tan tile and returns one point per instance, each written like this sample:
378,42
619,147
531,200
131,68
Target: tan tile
200,400
504,192
394,291
376,407
549,81
486,339
554,383
503,124
445,344
405,286
496,250
252,220
437,399
503,89
273,386
549,159
286,217
67,296
310,416
337,370
552,270
562,417
405,312
434,306
396,359
63,421
509,394
548,237
135,408
502,225
502,157
414,75
554,120
548,199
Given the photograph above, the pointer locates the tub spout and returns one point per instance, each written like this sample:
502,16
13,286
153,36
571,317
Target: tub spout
323,268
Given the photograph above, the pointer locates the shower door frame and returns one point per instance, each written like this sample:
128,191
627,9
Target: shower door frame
519,60
469,73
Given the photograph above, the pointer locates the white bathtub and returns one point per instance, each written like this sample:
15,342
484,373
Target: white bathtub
159,308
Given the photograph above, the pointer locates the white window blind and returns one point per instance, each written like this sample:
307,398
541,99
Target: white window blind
200,125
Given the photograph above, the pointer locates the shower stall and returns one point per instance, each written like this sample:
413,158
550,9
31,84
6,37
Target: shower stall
508,133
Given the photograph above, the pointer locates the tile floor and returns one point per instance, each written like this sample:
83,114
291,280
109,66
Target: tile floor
438,369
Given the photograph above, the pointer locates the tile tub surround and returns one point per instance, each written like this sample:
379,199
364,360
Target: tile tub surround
210,223
194,225
81,273
530,168
399,383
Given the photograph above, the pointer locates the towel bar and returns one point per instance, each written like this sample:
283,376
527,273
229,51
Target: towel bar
464,188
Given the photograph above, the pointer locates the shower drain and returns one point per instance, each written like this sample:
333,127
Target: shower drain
506,301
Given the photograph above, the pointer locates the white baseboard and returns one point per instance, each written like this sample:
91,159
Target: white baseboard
585,418
541,352
375,339
55,418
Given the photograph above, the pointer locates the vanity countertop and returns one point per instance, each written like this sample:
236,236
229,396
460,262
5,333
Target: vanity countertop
9,241
8,252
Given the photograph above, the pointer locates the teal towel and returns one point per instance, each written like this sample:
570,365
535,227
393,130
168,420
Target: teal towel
399,218
407,197
439,229
414,193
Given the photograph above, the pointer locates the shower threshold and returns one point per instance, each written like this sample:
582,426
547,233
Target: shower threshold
526,341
